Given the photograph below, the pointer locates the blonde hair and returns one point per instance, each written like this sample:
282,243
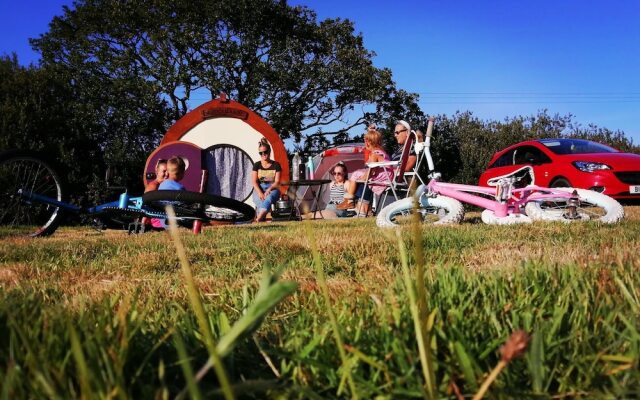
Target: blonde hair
176,166
404,124
373,136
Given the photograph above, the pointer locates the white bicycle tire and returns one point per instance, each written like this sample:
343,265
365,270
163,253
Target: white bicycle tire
450,211
612,211
489,217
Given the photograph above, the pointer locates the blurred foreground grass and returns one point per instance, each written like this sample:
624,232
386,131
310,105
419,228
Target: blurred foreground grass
122,301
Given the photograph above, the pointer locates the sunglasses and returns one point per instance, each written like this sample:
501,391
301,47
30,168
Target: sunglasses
400,131
263,153
338,173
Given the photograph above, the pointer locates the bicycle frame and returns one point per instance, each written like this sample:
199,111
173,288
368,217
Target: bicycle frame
506,200
511,205
124,203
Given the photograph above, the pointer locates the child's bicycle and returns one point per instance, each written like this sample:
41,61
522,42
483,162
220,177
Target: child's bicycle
31,200
513,198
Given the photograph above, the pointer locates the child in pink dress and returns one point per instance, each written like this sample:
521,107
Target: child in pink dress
378,177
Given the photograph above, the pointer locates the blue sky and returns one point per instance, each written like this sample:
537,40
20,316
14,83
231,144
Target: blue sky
497,59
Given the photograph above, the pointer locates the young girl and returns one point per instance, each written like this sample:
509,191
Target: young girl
337,189
381,175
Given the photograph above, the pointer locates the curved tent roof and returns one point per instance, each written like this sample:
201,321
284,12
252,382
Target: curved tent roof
228,133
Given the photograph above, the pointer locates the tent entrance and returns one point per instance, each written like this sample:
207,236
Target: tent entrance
229,172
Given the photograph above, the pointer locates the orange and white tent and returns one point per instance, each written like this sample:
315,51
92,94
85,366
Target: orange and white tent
220,137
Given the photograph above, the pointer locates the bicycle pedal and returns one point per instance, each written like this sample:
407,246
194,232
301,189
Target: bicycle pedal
136,228
98,225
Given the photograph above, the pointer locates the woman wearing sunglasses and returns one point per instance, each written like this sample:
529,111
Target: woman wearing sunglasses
266,180
337,189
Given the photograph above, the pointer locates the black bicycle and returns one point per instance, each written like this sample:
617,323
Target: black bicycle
32,200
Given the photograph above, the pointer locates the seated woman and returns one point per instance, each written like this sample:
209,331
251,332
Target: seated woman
377,177
266,180
337,189
161,175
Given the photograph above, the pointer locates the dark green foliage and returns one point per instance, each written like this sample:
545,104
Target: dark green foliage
82,123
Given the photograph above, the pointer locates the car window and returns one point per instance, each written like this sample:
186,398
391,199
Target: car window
504,160
576,146
530,155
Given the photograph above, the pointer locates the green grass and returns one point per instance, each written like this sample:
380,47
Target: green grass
84,314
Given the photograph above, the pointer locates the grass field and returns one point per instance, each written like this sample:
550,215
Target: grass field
106,315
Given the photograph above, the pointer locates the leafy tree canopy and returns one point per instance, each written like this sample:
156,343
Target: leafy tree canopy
85,127
298,73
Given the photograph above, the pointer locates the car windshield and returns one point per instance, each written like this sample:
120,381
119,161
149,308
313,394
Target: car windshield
576,146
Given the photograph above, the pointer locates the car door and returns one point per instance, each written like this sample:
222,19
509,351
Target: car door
517,158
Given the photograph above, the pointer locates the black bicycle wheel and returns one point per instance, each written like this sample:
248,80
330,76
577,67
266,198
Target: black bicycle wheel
21,174
202,206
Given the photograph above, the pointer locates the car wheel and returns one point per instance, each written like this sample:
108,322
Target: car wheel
560,182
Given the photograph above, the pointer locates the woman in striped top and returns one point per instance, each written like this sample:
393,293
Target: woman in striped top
338,187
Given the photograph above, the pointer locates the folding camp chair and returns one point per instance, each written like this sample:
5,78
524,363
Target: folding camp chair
422,157
396,183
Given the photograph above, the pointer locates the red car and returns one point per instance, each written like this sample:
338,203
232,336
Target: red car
572,163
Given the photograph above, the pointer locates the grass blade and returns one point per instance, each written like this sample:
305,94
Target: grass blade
332,318
185,364
198,308
423,347
81,363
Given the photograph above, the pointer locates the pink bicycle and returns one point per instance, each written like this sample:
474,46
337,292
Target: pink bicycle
511,199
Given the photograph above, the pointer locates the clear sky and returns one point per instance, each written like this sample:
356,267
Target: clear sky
496,58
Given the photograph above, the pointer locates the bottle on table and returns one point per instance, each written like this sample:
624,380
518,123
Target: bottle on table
295,170
310,173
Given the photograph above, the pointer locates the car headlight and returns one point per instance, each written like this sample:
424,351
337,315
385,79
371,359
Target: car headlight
588,166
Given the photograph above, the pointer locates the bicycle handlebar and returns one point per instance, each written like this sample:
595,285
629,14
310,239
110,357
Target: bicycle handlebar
430,127
427,143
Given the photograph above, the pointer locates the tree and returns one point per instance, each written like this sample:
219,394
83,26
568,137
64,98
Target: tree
37,113
392,105
276,59
84,124
32,107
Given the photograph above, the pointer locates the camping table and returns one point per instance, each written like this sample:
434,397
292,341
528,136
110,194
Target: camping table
293,194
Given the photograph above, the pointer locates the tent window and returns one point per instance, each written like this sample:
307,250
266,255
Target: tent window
229,172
